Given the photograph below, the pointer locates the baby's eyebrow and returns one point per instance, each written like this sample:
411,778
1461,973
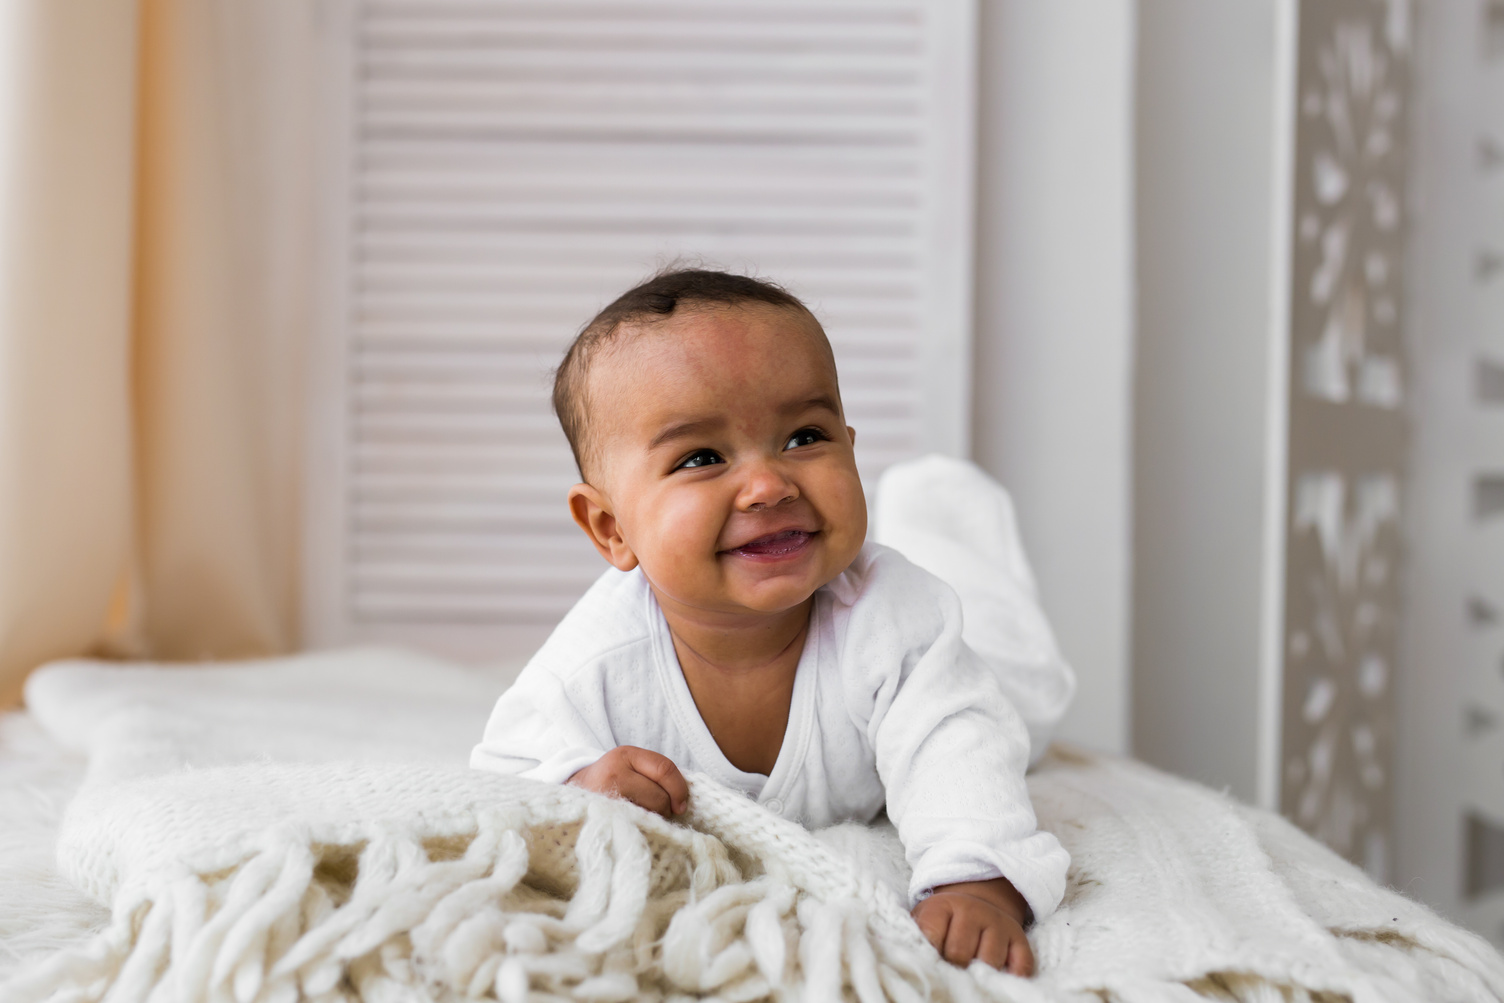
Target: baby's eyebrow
701,426
684,430
820,400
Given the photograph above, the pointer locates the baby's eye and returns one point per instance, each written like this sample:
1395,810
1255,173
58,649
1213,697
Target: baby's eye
701,458
805,437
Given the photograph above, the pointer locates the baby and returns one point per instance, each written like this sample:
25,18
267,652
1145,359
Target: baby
750,633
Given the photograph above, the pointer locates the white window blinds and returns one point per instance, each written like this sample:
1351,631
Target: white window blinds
498,171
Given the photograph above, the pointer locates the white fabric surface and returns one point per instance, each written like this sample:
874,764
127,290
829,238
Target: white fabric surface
40,911
889,707
308,826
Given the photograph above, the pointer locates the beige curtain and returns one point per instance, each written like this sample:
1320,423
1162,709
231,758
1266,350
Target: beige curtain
155,248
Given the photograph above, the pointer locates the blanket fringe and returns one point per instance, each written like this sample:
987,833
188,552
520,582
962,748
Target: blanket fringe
610,917
569,896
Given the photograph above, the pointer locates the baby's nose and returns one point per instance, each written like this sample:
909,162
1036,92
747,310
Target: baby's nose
767,487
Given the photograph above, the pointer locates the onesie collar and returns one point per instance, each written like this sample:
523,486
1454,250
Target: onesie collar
686,716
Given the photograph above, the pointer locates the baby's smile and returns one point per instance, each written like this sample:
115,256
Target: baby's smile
781,546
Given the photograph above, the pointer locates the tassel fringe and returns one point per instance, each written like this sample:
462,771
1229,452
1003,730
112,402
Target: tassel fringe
623,911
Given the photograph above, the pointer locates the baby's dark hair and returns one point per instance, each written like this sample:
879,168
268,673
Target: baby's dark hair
653,300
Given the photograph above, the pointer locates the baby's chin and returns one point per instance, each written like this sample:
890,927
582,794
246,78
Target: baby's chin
779,594
772,605
740,599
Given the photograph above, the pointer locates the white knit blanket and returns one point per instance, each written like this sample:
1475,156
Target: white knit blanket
306,828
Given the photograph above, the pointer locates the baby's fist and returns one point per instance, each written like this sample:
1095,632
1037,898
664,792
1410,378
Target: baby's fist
644,778
978,920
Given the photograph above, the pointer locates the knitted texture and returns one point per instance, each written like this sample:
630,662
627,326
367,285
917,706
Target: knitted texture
303,829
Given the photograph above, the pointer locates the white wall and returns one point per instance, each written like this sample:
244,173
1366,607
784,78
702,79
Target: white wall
1055,319
1206,188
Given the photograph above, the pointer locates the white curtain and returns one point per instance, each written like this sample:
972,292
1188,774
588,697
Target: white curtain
155,248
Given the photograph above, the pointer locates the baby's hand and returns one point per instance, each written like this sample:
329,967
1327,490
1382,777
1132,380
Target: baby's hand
644,778
978,919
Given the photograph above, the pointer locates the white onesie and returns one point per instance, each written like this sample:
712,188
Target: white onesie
890,708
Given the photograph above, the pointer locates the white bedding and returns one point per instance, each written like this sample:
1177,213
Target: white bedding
195,778
39,911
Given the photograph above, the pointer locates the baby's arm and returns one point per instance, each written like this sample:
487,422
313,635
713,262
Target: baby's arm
952,756
951,751
958,799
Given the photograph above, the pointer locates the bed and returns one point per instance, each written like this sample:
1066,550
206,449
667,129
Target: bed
306,828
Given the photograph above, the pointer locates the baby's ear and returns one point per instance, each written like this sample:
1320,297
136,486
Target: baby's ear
592,512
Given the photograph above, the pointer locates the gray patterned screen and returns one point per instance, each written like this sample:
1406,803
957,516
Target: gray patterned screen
1347,384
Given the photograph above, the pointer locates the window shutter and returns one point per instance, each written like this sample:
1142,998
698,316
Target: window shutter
498,171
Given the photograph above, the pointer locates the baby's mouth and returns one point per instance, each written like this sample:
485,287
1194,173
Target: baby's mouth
783,544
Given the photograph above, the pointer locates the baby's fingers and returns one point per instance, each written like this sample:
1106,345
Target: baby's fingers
993,947
964,937
1021,957
661,771
933,921
644,793
1007,949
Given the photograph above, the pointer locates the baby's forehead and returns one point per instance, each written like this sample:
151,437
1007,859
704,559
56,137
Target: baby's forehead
717,330
767,348
702,363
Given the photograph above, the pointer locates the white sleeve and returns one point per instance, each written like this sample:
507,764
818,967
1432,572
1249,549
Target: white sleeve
947,516
536,731
950,748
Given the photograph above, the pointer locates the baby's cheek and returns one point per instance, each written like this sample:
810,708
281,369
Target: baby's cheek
689,525
848,518
678,535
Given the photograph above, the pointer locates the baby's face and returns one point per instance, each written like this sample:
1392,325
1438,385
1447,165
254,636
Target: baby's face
725,459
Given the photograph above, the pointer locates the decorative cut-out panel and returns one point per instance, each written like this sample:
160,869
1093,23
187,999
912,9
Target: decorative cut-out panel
1481,612
1490,382
1339,660
1351,98
1492,34
1485,857
1488,496
1346,445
